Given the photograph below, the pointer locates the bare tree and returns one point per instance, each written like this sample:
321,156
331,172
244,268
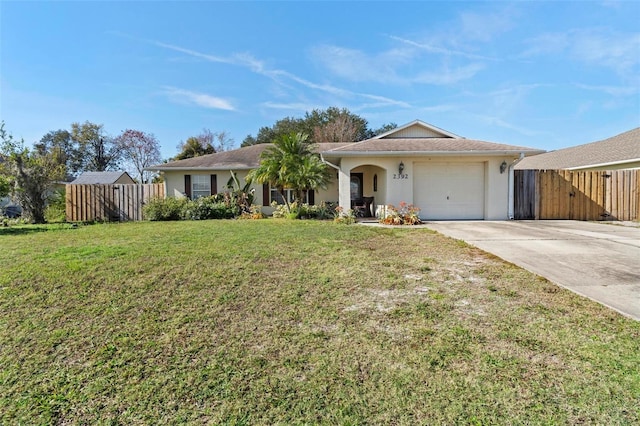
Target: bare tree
342,128
220,141
207,142
139,150
95,151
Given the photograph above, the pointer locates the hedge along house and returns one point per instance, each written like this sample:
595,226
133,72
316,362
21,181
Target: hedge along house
448,177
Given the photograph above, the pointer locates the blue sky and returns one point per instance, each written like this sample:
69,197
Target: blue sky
540,74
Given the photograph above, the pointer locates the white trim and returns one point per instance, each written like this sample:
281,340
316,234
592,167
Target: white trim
612,163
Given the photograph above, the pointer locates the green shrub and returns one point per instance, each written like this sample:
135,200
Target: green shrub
56,208
164,208
209,208
305,211
323,210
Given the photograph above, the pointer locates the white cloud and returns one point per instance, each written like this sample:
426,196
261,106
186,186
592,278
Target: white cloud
385,67
441,57
484,27
595,46
201,99
356,65
497,121
612,90
248,61
294,106
431,47
446,76
210,58
383,101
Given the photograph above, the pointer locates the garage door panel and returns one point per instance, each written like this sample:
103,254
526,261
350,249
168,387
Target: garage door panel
449,191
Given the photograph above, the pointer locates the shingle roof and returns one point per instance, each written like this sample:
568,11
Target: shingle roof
427,146
99,178
621,148
245,158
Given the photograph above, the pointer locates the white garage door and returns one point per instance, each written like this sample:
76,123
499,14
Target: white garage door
449,191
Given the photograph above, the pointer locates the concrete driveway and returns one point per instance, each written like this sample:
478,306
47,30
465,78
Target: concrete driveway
598,260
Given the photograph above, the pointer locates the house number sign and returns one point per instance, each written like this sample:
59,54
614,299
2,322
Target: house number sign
401,176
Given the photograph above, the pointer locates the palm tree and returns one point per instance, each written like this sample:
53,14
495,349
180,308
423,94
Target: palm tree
292,164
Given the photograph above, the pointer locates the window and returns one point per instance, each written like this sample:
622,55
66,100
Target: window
277,197
200,186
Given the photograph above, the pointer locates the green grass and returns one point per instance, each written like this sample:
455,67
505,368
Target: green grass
296,322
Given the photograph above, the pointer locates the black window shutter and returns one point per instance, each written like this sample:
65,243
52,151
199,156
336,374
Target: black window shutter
266,194
187,185
214,184
312,197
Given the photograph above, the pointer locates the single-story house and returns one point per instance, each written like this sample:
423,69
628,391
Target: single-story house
103,178
447,176
615,153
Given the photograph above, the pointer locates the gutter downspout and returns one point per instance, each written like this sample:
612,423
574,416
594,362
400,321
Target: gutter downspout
328,163
510,208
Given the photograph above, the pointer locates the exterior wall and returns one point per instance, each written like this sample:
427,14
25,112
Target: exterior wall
415,132
388,189
394,189
174,185
174,180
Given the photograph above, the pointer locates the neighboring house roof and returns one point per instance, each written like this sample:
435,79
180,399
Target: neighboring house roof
421,138
619,150
102,178
245,158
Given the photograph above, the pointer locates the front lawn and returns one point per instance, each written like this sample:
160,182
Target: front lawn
297,322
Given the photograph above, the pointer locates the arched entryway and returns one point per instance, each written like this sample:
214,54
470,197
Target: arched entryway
367,189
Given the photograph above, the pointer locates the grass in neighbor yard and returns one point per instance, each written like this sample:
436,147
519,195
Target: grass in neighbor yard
297,322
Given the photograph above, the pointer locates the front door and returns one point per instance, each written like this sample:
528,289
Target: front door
356,186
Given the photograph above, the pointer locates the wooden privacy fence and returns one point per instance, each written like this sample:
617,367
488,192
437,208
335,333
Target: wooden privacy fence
120,202
577,195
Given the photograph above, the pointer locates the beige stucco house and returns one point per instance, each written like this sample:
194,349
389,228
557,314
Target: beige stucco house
447,176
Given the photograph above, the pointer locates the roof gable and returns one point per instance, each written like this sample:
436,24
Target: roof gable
102,178
417,129
420,138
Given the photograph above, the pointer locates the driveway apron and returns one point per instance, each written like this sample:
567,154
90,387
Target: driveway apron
598,260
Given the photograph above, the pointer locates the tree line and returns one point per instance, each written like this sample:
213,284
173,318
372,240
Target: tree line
330,125
29,173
